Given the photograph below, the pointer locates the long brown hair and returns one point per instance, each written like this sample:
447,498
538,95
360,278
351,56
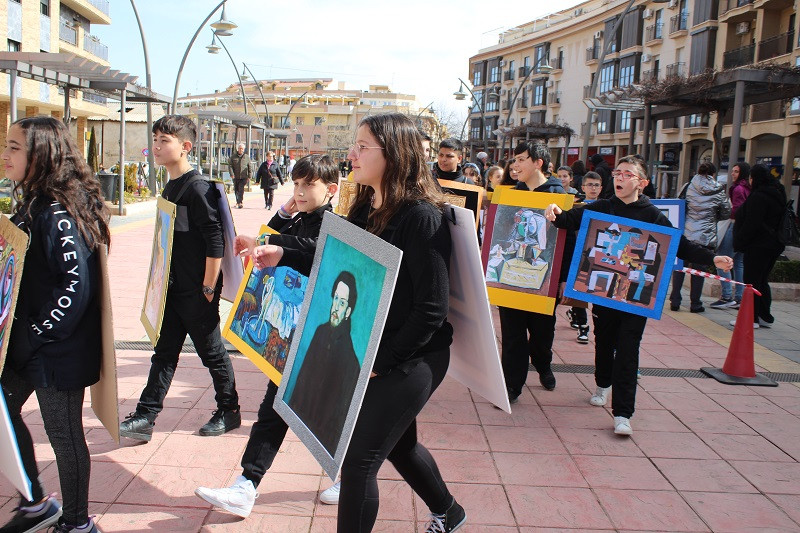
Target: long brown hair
407,177
56,170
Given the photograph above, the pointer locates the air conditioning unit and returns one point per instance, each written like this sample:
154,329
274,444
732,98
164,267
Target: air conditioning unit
672,4
502,63
647,13
578,12
598,35
742,28
646,58
548,83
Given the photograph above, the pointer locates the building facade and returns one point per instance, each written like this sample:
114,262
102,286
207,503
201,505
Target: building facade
52,26
655,40
320,114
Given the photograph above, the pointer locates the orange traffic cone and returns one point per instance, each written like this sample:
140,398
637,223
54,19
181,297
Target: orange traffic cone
740,367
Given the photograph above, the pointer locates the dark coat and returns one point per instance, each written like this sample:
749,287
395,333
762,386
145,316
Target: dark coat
759,219
269,174
239,166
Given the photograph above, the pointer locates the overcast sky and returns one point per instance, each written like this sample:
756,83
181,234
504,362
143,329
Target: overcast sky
419,47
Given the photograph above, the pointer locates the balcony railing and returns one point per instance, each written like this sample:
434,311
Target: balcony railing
592,53
67,33
739,56
733,4
93,45
775,46
508,75
557,63
676,69
524,71
554,97
678,22
648,75
653,32
767,111
586,90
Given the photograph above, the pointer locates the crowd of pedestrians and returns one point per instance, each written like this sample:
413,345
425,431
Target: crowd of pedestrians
400,201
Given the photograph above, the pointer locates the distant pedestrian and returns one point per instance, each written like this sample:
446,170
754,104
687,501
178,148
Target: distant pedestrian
601,167
482,162
239,165
269,175
738,192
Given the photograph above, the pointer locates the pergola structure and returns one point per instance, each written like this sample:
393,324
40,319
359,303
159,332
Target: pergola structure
544,131
72,72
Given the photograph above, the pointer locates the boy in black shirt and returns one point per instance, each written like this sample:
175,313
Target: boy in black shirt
195,282
617,334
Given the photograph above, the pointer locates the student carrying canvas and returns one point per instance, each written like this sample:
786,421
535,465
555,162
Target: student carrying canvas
55,346
195,283
316,180
618,334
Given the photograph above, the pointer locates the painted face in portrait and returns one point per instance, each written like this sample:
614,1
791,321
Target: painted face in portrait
340,307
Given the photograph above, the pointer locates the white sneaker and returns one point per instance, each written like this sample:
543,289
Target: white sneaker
622,426
600,396
237,499
755,324
331,494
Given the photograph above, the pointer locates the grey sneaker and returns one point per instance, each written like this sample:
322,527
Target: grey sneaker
238,499
90,527
27,520
723,303
330,495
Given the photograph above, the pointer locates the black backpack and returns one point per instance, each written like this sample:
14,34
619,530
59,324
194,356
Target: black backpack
789,231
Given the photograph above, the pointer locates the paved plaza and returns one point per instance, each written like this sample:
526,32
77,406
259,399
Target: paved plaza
703,456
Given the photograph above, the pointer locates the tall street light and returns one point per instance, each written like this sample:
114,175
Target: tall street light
151,164
607,40
211,50
267,119
419,115
461,95
221,27
537,68
285,124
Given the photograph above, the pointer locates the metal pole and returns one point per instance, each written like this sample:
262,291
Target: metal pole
285,124
151,163
123,103
736,128
516,94
211,154
263,100
12,91
238,77
593,88
186,54
483,113
646,132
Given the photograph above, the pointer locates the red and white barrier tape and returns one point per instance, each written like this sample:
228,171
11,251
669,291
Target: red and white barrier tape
695,272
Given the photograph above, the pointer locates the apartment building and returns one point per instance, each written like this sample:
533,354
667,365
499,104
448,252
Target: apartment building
52,26
654,40
321,114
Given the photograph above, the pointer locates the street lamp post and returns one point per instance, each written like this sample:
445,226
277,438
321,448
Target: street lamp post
461,95
221,27
587,129
285,124
238,77
540,69
267,121
419,115
151,164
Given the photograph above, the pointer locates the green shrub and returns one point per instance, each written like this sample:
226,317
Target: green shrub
5,205
786,272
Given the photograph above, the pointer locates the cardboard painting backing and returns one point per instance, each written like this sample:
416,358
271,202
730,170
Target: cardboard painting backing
10,458
232,269
104,393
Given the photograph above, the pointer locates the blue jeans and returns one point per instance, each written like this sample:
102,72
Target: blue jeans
726,248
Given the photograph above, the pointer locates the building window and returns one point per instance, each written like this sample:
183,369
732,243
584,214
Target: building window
478,102
317,138
491,104
494,74
607,77
298,138
538,94
795,107
697,120
476,76
299,121
624,121
626,74
44,6
14,46
605,120
318,121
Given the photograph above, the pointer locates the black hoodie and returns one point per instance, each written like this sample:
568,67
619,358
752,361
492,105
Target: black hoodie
642,210
456,175
759,219
298,237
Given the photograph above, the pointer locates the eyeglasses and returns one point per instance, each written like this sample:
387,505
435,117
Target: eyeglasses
624,174
356,149
593,185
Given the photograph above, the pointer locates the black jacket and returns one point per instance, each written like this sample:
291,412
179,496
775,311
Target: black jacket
55,339
268,175
456,175
643,210
417,321
759,219
298,237
604,170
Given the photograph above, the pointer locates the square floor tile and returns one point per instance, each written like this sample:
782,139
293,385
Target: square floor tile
739,512
597,442
649,510
538,470
620,472
674,445
551,507
709,475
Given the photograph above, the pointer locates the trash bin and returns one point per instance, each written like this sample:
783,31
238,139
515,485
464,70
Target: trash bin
109,186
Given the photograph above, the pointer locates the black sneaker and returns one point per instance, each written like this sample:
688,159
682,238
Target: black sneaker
136,426
583,335
454,518
674,307
28,521
547,379
573,322
221,422
699,309
90,527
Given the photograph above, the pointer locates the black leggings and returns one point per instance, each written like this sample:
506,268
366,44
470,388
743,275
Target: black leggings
386,429
63,422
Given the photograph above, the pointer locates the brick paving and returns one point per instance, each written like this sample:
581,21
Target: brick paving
703,456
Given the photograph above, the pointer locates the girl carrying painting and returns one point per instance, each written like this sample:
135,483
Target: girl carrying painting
54,348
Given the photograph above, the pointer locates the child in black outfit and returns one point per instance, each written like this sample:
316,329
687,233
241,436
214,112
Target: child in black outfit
316,180
195,283
617,333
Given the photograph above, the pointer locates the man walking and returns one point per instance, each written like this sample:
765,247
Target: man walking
239,165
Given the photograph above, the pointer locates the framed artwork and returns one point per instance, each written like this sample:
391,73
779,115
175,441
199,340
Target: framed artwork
522,251
473,195
675,211
474,359
348,190
622,263
232,268
264,316
456,200
337,338
155,295
104,394
13,245
10,460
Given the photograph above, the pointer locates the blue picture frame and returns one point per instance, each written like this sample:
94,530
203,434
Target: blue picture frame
675,210
622,264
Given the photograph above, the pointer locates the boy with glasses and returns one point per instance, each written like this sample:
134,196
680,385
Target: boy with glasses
591,185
